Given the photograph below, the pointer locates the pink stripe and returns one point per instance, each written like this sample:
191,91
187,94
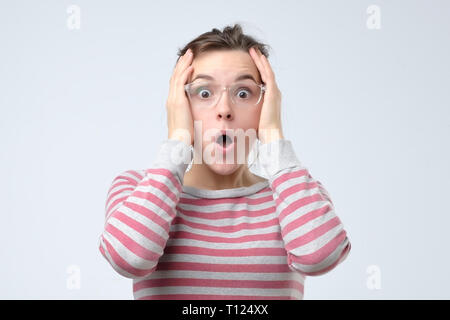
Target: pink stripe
111,195
332,266
132,245
162,187
218,283
227,214
318,256
214,239
295,205
155,200
212,297
122,264
296,188
287,176
114,184
103,251
118,200
168,174
215,267
233,228
136,174
313,234
301,220
146,212
123,180
248,252
324,192
142,229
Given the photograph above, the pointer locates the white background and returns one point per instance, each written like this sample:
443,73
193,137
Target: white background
368,112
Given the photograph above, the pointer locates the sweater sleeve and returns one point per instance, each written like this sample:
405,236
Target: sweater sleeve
314,236
139,210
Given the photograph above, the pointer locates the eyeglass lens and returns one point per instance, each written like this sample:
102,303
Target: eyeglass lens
244,93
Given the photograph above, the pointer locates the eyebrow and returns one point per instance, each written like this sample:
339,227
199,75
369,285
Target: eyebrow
241,77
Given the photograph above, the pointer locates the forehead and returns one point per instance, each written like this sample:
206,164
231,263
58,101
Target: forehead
224,65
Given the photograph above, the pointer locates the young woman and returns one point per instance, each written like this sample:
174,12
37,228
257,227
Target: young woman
216,230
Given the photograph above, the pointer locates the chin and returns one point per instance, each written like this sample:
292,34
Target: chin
223,168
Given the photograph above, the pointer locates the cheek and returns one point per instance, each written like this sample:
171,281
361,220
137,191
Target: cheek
195,114
250,118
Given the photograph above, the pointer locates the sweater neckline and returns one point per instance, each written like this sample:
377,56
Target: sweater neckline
226,193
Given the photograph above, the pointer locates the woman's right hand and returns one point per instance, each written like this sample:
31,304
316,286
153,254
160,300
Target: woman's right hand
179,116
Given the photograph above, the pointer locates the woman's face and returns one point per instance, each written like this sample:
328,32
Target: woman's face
224,67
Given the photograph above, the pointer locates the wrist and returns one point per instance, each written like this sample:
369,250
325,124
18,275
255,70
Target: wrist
181,135
269,135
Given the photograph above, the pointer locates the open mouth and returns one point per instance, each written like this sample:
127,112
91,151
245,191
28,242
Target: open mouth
224,142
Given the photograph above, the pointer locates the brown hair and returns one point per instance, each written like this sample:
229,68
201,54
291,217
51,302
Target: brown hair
230,38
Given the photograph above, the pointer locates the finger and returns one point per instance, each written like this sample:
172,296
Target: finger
254,54
182,63
185,75
187,58
267,66
183,79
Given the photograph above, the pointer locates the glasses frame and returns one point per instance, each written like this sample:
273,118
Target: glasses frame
262,86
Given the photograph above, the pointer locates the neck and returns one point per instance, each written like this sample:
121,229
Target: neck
202,177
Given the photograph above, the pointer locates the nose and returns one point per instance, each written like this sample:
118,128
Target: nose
224,110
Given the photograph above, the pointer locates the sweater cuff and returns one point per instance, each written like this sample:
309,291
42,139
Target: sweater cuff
174,155
276,156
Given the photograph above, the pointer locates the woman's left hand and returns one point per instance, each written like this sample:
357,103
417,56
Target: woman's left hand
270,120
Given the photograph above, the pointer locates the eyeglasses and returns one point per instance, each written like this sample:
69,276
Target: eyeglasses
243,94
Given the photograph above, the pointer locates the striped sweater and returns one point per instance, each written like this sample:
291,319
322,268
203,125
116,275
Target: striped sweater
256,242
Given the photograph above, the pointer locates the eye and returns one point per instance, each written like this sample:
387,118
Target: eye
204,93
244,93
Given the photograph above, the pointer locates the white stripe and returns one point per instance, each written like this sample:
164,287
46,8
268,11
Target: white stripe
145,221
158,192
318,243
309,226
299,212
128,174
122,186
127,255
228,221
213,208
252,292
123,194
296,195
292,181
254,260
326,262
243,232
136,236
217,245
118,269
279,276
165,180
251,196
153,207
